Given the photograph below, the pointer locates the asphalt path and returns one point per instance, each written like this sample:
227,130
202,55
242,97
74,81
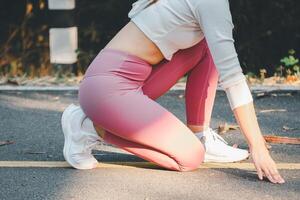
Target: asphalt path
32,121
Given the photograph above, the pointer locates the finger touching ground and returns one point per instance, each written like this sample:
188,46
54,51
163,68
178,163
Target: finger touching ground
271,175
275,174
259,172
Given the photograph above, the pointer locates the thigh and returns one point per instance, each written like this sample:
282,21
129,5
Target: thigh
135,117
166,73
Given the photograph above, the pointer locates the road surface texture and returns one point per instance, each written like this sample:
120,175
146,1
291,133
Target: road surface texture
32,121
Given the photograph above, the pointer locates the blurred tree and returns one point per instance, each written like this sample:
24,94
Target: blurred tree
264,30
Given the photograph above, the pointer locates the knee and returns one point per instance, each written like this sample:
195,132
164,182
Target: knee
192,158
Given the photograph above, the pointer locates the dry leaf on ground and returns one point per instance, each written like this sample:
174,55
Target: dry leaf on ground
180,96
225,127
7,142
281,140
286,128
262,95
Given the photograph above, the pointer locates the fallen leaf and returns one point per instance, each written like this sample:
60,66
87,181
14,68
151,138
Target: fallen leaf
180,96
262,95
282,94
7,142
291,78
56,98
223,128
281,140
12,82
286,128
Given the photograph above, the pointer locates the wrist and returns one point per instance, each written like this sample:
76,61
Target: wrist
258,145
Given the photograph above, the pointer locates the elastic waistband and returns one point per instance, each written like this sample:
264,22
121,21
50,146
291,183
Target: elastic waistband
120,63
126,54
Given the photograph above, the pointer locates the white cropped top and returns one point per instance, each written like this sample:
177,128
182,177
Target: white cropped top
180,24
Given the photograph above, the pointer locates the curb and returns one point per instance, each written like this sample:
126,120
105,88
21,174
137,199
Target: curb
178,86
266,88
38,88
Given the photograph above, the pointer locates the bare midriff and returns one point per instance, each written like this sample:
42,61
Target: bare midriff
132,40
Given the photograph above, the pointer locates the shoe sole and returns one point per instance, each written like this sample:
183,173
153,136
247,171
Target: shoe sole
223,160
65,129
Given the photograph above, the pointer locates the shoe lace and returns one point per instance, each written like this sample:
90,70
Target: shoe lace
90,144
216,135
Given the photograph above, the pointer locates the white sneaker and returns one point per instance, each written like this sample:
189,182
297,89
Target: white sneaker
78,142
218,150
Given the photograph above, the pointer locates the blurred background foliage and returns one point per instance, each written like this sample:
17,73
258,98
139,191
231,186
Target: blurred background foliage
267,34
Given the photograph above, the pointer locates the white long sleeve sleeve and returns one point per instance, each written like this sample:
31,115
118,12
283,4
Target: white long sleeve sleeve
215,20
239,94
180,24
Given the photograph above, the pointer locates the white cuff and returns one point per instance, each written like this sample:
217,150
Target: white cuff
239,94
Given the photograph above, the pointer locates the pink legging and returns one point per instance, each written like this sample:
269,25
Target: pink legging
118,93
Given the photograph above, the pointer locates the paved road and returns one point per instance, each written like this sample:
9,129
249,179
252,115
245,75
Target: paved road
32,121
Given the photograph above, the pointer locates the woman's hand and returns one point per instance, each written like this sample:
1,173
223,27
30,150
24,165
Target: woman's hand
263,162
265,165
